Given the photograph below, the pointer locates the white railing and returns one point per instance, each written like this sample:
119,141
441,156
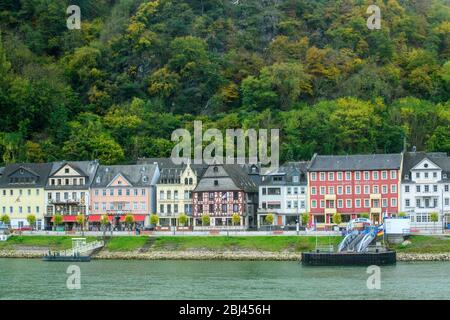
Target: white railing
82,249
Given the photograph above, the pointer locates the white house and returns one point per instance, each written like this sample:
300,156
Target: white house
283,193
425,188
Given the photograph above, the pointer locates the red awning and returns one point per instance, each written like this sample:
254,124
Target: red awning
98,217
67,218
137,217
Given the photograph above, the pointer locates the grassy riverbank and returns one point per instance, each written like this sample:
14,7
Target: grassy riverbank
291,244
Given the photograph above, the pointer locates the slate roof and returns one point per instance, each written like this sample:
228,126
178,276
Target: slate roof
411,159
42,170
1,170
231,177
134,174
356,162
86,169
287,172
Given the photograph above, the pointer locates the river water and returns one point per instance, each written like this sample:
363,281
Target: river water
138,279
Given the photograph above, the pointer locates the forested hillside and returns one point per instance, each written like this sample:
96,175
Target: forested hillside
137,70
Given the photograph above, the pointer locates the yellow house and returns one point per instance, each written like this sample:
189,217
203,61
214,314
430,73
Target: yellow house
174,193
22,193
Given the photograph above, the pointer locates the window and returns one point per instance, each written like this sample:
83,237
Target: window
322,176
358,203
366,189
348,203
127,192
340,203
216,182
295,190
66,170
313,191
235,195
111,192
393,174
314,204
96,192
446,201
384,203
427,188
418,203
384,189
96,206
142,192
357,189
393,202
348,189
375,175
434,174
313,176
407,189
366,175
322,204
330,190
331,176
376,189
435,188
119,192
407,202
384,175
417,175
393,188
289,190
339,176
175,194
340,190
357,175
289,204
216,169
322,191
273,191
161,207
426,175
446,188
366,203
418,188
348,175
295,179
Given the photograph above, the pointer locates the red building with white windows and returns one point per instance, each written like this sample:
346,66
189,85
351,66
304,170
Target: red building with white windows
353,185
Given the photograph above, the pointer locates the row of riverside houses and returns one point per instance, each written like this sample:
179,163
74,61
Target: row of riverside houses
377,185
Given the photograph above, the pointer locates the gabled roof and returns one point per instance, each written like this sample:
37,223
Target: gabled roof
138,175
85,169
230,177
287,172
411,159
356,162
40,170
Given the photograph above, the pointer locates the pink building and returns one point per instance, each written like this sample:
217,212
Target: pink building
118,191
352,186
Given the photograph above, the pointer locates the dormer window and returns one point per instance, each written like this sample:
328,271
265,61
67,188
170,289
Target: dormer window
444,176
295,178
66,170
216,182
144,179
425,165
119,182
98,179
216,169
21,171
406,176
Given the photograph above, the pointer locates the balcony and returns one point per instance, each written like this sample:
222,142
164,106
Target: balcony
375,196
67,201
330,197
330,210
375,210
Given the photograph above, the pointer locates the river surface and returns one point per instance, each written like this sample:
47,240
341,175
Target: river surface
256,280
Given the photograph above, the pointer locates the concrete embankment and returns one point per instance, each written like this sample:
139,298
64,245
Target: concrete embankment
211,255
